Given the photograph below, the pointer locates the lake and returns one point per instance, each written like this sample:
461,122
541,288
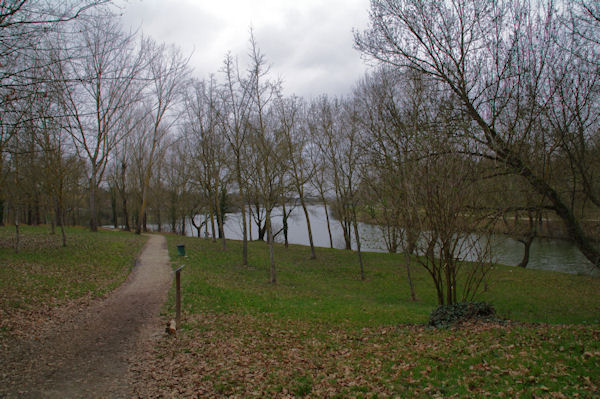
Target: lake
547,254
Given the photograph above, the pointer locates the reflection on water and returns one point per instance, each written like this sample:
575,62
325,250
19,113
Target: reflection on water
547,254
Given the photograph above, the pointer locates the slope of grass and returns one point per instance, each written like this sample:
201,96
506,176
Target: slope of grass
321,332
329,290
43,271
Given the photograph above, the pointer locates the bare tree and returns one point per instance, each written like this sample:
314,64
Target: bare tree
327,135
268,149
204,129
236,101
499,61
393,110
295,133
445,193
168,74
336,133
24,27
101,84
319,183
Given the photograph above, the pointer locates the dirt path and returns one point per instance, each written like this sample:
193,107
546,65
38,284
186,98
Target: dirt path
88,355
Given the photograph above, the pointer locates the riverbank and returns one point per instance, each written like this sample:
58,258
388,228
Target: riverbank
547,227
321,332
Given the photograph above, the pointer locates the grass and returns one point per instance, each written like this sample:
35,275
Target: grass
321,332
44,272
329,290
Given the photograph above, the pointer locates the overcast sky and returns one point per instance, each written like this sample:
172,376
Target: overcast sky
309,43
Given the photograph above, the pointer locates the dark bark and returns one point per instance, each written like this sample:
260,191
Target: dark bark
328,223
285,225
124,197
125,214
17,236
313,254
113,206
197,226
93,211
270,240
413,296
244,236
541,186
1,212
60,219
357,238
527,243
158,219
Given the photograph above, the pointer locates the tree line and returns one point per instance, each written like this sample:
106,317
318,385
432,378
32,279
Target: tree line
475,115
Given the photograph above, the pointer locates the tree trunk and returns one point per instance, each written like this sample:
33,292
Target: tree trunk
53,222
285,225
220,220
540,185
347,239
411,244
269,229
212,221
198,227
17,233
60,219
249,222
313,254
173,212
527,243
413,296
123,192
328,223
93,213
147,176
244,236
158,220
244,225
1,212
113,206
356,237
447,272
206,234
142,212
126,225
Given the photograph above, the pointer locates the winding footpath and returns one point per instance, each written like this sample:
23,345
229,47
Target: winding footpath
89,355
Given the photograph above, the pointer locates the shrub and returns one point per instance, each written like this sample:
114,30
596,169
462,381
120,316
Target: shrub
445,315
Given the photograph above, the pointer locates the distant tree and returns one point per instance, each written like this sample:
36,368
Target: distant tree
268,155
236,107
101,74
393,109
24,27
205,135
168,74
336,133
292,120
327,135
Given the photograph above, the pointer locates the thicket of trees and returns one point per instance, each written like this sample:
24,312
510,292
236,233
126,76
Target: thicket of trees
479,115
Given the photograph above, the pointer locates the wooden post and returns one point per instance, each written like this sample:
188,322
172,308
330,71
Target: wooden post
178,297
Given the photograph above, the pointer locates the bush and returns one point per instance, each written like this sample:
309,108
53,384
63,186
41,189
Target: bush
445,315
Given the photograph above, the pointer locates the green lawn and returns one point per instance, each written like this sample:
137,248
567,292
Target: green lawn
329,290
321,332
44,272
